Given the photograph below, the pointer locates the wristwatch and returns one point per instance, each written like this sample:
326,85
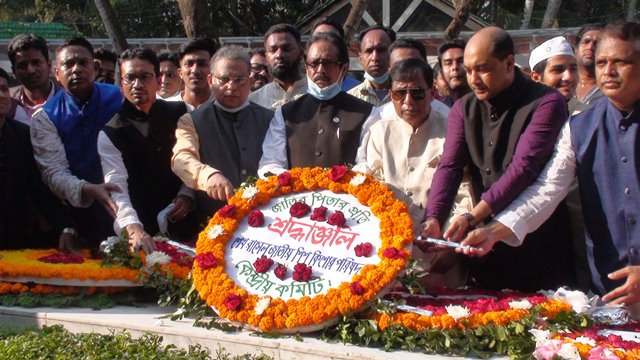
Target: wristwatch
70,231
471,220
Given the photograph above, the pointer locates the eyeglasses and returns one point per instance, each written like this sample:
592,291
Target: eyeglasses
314,65
258,67
239,80
401,94
130,79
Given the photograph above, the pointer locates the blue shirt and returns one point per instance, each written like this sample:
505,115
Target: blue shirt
607,151
78,126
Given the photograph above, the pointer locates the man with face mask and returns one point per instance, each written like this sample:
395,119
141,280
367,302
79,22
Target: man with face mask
284,55
219,144
374,56
324,126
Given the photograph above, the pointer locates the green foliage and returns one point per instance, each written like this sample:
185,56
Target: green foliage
93,301
57,343
121,255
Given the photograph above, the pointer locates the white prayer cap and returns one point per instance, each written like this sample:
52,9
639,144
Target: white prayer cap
553,47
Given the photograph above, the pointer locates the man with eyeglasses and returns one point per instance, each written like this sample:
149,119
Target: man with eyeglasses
30,63
195,58
504,133
219,144
403,151
284,56
64,135
323,127
259,69
135,150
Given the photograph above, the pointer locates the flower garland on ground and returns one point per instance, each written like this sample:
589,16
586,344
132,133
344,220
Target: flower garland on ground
19,288
587,344
234,303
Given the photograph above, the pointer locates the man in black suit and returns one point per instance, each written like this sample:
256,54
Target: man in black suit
22,190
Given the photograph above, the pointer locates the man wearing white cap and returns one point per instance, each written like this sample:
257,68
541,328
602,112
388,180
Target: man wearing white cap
553,63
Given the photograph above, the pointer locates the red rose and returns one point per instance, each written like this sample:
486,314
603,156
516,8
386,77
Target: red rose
356,288
227,211
301,272
206,260
364,249
299,209
337,219
319,213
337,172
232,302
62,258
284,179
256,218
280,271
263,264
393,253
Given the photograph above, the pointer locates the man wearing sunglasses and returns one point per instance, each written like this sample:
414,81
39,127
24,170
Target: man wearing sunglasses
323,127
403,151
219,144
504,132
135,152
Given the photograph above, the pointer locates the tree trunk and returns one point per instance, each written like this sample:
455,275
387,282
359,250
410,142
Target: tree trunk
112,25
459,19
550,13
353,19
196,20
526,14
632,12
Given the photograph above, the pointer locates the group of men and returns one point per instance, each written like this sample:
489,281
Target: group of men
481,153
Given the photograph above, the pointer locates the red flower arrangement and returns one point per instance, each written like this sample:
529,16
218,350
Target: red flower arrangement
302,272
364,249
356,288
256,218
206,260
280,271
337,219
337,172
299,209
284,178
393,253
262,264
227,211
233,301
62,258
319,214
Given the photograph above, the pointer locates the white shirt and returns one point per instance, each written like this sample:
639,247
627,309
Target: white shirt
116,173
178,97
272,96
49,153
538,202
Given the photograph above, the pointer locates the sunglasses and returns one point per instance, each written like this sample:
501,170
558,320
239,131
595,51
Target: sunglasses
401,94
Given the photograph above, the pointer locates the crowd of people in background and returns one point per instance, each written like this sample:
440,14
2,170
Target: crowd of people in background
534,171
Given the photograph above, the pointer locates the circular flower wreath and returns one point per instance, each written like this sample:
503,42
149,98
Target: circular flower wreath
234,303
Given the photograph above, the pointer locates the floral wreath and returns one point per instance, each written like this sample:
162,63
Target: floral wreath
234,303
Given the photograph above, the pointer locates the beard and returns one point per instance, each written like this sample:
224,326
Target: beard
286,72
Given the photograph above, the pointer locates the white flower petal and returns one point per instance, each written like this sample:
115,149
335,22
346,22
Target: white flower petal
523,304
262,305
158,257
215,231
586,340
249,192
458,312
358,180
569,352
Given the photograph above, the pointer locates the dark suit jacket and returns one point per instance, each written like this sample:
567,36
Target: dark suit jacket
23,188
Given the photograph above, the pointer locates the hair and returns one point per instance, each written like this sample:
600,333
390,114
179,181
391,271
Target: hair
335,40
199,44
406,70
283,28
625,31
540,67
25,42
168,55
76,41
142,54
4,74
437,69
104,54
453,44
331,22
257,51
588,27
409,43
503,46
390,33
231,52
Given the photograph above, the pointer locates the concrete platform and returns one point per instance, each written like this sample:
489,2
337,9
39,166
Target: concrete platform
182,333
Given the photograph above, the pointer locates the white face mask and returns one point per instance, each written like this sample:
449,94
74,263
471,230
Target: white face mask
326,93
379,80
